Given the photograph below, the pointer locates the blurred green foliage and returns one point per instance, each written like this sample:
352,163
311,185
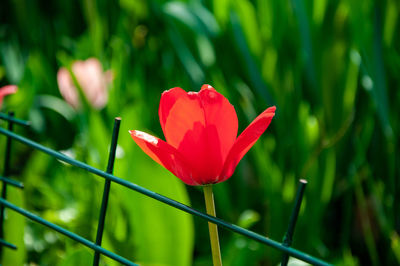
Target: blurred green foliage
330,67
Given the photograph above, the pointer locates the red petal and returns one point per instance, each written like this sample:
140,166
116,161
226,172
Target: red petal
202,126
6,90
168,100
164,154
245,141
219,113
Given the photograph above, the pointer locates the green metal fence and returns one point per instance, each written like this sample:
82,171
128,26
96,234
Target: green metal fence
109,178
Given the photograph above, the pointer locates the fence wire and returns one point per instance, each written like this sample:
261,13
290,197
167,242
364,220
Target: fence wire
109,178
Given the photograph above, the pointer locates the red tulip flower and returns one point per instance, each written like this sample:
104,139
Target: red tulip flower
202,147
6,90
200,129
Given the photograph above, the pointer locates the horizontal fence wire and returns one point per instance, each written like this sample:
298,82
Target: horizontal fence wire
11,182
108,176
291,251
7,244
14,120
67,233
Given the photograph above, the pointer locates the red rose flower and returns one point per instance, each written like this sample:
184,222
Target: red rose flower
200,129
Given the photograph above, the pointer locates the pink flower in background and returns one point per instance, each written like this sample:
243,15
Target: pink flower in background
91,78
6,90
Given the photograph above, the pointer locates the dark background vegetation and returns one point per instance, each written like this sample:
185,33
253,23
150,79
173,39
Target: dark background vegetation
330,67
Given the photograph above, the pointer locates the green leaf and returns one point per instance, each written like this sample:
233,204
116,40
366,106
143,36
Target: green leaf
78,256
248,20
14,228
161,234
329,177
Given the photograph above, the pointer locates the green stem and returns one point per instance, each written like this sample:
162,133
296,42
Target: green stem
216,252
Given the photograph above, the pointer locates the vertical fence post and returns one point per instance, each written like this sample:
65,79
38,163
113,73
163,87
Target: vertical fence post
7,157
287,239
106,191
